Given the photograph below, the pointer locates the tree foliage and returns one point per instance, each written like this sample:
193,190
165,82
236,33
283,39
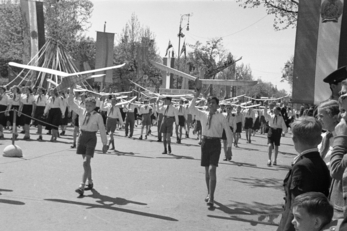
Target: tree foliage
285,11
287,71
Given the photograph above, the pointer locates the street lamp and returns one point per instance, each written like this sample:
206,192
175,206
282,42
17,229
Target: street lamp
181,35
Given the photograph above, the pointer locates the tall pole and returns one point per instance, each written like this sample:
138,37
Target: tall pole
106,55
180,34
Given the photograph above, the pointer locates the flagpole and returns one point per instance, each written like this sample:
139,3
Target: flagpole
181,35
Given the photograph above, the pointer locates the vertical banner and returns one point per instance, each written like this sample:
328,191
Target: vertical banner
104,55
32,13
168,79
321,48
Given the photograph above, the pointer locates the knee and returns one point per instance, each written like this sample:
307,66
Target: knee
86,164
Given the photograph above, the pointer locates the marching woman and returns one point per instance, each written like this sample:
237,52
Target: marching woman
249,120
55,111
3,107
39,108
14,103
26,108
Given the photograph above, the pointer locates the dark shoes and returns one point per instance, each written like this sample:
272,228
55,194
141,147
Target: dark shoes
40,138
140,138
159,140
187,136
89,186
26,138
73,145
80,191
164,152
62,133
169,149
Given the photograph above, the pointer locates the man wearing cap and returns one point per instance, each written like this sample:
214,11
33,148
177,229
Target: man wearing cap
334,80
170,115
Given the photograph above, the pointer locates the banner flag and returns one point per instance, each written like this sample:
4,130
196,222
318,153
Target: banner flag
168,78
104,55
320,48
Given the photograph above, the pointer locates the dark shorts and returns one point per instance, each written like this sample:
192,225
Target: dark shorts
238,127
274,136
167,125
111,124
210,151
248,123
181,121
86,143
146,119
224,136
54,118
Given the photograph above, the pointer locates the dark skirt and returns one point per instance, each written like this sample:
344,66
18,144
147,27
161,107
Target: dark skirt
146,119
181,120
3,117
248,123
256,125
238,127
65,120
39,111
197,127
54,118
27,110
11,114
76,121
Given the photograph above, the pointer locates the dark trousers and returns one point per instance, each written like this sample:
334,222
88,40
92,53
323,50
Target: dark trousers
160,120
130,120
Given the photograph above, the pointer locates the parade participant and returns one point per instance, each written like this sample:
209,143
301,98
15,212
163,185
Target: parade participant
113,113
189,120
4,101
328,116
79,100
309,172
146,118
26,107
249,120
14,103
55,111
212,129
238,126
256,124
231,122
39,108
312,212
90,122
159,110
104,105
170,115
276,127
64,120
129,119
182,114
221,108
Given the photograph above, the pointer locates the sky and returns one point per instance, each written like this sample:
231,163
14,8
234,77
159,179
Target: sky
246,32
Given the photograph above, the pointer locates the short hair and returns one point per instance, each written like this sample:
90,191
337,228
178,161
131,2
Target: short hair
315,204
331,107
307,130
214,98
90,100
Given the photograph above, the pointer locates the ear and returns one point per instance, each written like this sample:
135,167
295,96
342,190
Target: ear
318,223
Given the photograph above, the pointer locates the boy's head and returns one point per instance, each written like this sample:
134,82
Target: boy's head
213,104
90,104
312,211
306,133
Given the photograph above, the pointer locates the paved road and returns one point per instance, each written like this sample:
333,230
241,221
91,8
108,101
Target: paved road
138,188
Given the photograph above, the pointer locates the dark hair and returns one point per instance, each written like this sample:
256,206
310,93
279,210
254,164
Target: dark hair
30,90
214,98
315,204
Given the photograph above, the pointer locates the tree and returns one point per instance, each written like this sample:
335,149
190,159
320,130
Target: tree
136,45
285,11
287,71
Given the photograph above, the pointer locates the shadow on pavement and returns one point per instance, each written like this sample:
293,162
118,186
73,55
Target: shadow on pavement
287,153
103,199
255,214
262,183
247,165
11,202
173,156
102,206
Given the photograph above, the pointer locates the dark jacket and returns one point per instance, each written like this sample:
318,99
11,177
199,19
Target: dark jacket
308,174
338,165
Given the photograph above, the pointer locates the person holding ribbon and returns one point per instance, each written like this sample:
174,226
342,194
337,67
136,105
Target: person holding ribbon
90,122
212,124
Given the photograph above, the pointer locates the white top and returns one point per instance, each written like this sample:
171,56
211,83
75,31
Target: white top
41,100
27,100
129,108
98,102
95,122
231,120
144,109
170,111
250,114
275,121
4,99
181,111
218,123
55,102
15,100
114,113
104,105
331,142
